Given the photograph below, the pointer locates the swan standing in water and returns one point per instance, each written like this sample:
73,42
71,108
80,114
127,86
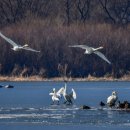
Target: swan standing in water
56,95
90,50
17,47
68,97
111,100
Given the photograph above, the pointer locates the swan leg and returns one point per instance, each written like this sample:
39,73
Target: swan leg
71,102
52,103
58,103
65,102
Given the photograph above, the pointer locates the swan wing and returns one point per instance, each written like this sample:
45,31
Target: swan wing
102,56
109,99
51,94
8,40
81,46
60,91
74,94
54,98
30,49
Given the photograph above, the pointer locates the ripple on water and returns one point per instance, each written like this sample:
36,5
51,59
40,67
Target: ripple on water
65,115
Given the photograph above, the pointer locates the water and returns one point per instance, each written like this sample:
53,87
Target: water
27,107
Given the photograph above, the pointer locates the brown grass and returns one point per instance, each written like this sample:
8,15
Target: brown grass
38,78
53,41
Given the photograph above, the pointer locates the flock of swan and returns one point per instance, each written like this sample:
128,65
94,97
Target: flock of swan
56,96
112,101
68,97
88,50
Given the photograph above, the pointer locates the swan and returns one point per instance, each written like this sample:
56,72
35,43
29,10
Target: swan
90,50
56,95
17,47
68,97
9,86
111,100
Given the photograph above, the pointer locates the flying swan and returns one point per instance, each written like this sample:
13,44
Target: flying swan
17,47
90,50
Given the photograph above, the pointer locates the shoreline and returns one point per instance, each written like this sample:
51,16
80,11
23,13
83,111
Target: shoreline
38,78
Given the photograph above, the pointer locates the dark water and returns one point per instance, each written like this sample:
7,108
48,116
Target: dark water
27,107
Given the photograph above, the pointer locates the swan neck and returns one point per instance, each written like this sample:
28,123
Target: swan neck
65,88
99,48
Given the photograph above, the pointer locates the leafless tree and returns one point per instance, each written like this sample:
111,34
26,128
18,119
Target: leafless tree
12,11
104,4
68,10
118,11
63,71
83,7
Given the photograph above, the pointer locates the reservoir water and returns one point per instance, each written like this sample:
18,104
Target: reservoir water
27,106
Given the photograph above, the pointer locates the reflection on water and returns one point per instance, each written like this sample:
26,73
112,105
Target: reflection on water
29,103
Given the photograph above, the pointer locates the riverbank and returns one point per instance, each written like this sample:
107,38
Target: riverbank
38,78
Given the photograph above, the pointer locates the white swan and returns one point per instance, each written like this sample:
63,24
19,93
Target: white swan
68,97
90,50
111,100
17,47
56,95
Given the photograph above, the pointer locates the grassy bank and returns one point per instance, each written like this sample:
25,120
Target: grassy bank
38,78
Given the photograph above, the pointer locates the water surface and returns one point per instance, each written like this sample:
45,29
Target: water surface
28,106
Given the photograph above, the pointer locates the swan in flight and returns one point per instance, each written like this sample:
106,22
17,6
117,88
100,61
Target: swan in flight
68,97
17,47
56,95
90,50
111,100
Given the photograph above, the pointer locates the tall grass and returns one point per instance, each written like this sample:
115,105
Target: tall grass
53,39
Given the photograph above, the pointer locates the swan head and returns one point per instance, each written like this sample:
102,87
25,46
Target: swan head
26,45
62,90
101,47
114,93
54,89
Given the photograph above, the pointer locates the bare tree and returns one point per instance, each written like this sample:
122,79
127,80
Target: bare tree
16,70
68,8
25,72
118,11
39,7
121,10
104,4
12,11
83,7
62,69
